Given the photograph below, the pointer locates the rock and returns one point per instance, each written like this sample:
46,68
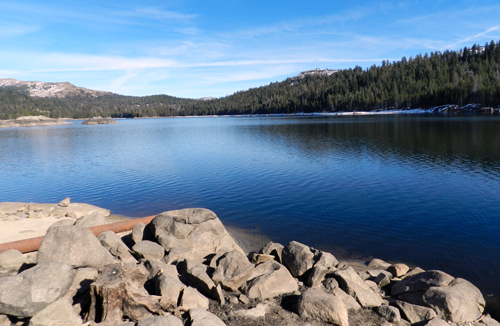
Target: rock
32,290
197,277
421,282
91,220
414,313
155,267
116,247
459,302
244,299
260,258
391,314
5,321
58,313
317,275
376,272
326,259
437,322
11,259
141,232
78,292
278,281
215,259
148,250
74,245
298,258
169,288
488,321
161,321
398,270
323,306
64,203
191,299
233,300
353,285
273,248
195,233
349,302
257,312
416,270
233,270
330,284
200,317
378,264
61,223
382,280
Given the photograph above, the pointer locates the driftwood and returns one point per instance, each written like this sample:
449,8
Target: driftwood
118,293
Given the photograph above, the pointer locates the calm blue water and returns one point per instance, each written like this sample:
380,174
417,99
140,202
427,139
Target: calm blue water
416,189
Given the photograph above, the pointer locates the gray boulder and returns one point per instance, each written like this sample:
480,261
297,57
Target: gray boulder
161,321
148,250
155,267
233,270
421,282
276,282
398,270
141,232
58,313
325,259
391,314
11,259
437,322
116,247
91,220
200,317
298,258
192,299
74,245
355,286
415,314
378,264
197,277
459,302
317,275
194,233
317,304
258,312
349,302
31,291
273,248
169,288
65,202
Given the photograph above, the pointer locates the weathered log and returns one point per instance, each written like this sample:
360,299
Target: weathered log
118,293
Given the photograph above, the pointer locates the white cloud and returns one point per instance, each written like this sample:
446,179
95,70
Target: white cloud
473,38
9,31
155,13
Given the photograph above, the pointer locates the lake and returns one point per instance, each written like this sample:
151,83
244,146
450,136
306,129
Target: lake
424,190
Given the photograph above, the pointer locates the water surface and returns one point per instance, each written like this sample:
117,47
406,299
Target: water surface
417,189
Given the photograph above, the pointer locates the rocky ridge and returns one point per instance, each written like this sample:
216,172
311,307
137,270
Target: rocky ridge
31,121
46,89
184,268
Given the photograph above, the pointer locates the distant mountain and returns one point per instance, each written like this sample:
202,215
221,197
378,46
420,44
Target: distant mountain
45,89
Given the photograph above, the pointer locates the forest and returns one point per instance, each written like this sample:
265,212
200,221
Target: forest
471,75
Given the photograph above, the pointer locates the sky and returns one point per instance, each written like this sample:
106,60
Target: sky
213,48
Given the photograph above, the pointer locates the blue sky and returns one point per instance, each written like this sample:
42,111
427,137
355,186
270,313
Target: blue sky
215,48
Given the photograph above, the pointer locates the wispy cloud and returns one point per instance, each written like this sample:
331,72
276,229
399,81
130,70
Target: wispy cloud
8,31
473,38
155,13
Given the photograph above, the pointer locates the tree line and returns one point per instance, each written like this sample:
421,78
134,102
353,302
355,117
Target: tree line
471,75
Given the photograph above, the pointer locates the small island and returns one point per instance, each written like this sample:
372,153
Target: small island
31,121
98,121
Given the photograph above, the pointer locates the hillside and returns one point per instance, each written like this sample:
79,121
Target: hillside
471,75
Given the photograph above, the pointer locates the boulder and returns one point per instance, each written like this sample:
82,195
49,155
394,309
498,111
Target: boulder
256,258
325,259
65,202
317,275
398,270
273,248
148,250
116,247
415,314
195,233
459,302
155,267
298,258
141,232
91,220
58,313
437,322
74,245
197,277
32,290
191,299
214,261
233,270
378,264
349,302
200,317
169,288
421,282
323,306
12,259
330,284
391,314
276,282
382,280
161,321
355,286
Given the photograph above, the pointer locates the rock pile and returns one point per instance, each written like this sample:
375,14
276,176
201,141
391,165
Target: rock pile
184,268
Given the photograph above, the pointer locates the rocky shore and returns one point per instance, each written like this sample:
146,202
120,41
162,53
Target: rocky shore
184,268
31,121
